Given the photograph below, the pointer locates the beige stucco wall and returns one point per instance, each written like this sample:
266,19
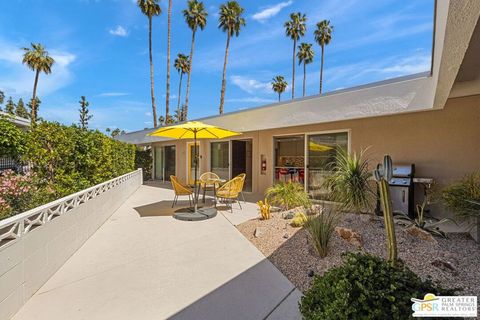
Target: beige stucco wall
444,144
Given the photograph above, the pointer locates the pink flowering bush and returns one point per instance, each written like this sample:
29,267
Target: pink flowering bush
15,193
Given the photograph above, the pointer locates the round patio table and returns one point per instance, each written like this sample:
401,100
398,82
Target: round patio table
210,182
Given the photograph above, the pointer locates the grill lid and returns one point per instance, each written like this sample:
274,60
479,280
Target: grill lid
405,171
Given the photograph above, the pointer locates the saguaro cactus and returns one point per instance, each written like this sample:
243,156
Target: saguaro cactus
383,174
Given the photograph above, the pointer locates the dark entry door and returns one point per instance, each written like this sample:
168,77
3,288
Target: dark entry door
169,162
242,161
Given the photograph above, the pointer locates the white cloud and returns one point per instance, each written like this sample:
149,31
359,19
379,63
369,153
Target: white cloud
113,94
271,11
17,80
250,85
118,31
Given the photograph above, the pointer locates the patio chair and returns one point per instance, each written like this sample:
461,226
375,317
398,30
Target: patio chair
205,181
243,176
230,191
180,190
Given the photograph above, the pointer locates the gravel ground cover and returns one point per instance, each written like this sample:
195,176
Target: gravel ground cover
453,262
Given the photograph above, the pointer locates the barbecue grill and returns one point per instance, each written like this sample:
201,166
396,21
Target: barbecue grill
401,189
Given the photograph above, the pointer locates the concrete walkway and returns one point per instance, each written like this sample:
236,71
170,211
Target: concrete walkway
143,264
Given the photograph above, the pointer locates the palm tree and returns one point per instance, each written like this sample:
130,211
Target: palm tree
230,21
150,8
295,28
37,59
196,17
279,85
182,64
169,32
323,35
305,55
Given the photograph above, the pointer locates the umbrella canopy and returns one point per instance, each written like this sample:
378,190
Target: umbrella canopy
194,130
312,146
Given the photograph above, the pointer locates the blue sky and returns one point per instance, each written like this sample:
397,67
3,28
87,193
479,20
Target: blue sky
101,51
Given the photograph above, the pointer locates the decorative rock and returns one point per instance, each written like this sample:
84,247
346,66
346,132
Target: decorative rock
444,265
286,235
258,232
288,214
420,234
350,236
310,273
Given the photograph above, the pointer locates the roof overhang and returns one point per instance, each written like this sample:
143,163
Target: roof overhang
20,122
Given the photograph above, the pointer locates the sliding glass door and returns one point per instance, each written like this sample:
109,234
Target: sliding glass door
219,157
321,152
164,162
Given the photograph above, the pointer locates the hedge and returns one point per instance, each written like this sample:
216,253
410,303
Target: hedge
63,160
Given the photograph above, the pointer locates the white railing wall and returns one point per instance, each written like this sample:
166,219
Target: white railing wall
36,243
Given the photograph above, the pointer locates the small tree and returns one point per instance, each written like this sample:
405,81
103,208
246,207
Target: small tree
2,97
10,107
21,111
84,116
116,132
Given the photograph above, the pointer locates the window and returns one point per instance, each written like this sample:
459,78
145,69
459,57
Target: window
290,158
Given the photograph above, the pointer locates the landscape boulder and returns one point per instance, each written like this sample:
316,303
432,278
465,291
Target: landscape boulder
420,234
350,236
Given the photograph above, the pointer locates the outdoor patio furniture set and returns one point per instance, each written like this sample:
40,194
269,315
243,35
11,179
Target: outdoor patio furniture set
227,192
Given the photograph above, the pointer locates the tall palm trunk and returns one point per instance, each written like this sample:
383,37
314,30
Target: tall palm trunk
34,112
304,77
279,94
293,69
167,99
321,69
224,84
187,94
179,96
152,93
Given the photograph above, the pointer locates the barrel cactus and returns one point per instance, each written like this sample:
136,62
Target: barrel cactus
383,174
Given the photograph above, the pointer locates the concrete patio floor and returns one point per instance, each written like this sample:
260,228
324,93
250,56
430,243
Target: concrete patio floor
143,264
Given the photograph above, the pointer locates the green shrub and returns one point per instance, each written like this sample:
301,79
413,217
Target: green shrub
288,195
463,197
143,159
366,287
320,228
12,139
350,182
67,159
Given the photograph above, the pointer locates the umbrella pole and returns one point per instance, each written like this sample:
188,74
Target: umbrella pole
196,165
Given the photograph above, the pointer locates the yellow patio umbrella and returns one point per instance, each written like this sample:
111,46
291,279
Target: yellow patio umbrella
194,130
313,146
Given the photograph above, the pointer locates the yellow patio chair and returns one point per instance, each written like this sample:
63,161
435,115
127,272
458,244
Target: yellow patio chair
243,176
205,181
230,191
180,190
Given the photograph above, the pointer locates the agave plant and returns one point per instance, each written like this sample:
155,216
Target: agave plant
429,224
288,195
350,181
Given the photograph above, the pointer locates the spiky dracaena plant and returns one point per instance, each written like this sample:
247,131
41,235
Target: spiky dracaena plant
350,181
383,174
320,228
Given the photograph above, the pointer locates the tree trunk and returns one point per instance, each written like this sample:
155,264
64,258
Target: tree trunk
179,96
34,111
224,84
321,70
304,77
167,99
152,93
279,96
293,69
187,94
